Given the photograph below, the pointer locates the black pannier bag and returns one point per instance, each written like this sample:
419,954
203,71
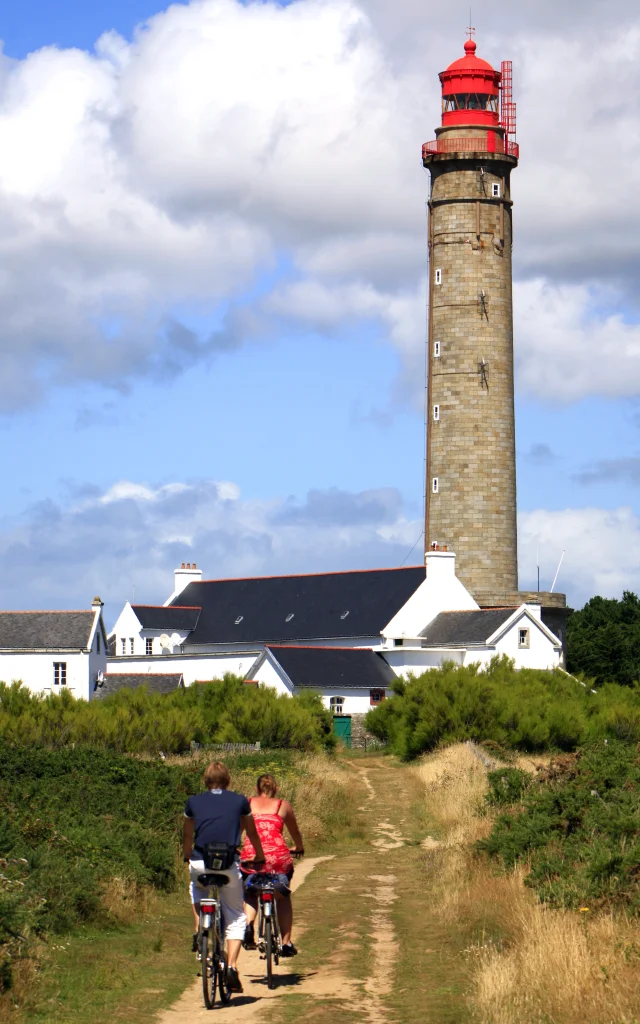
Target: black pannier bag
219,856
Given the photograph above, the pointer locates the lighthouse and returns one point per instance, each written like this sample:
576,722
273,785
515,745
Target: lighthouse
470,487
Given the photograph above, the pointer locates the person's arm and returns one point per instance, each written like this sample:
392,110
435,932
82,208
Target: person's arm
187,837
248,823
292,825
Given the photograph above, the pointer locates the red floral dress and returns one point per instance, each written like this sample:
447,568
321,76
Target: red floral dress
270,829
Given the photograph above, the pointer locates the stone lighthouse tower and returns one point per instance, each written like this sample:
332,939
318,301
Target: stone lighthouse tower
471,470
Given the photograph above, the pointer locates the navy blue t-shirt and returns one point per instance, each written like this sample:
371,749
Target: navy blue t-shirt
217,814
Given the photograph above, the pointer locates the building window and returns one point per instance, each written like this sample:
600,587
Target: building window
436,412
495,190
435,486
376,696
130,645
398,643
523,638
149,645
436,350
98,643
336,705
124,645
438,276
59,673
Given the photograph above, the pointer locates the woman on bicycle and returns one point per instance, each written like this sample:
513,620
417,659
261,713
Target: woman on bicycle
270,815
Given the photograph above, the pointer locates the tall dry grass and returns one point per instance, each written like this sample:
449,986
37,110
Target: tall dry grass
538,966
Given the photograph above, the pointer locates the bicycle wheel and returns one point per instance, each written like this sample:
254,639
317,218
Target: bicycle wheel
208,970
268,948
221,969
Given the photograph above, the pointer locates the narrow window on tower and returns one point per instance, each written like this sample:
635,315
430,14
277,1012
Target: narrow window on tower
438,276
436,350
495,190
435,485
436,412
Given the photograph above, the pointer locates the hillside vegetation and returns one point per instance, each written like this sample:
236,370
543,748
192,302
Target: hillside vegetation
524,709
577,827
135,721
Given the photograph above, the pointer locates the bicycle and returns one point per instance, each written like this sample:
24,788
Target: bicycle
269,940
211,941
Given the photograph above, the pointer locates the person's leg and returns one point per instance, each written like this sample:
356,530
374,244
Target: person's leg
285,918
196,892
232,900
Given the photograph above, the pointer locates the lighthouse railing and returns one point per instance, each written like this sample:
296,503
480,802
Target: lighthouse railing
491,143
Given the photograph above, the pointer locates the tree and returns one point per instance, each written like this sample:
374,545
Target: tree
603,640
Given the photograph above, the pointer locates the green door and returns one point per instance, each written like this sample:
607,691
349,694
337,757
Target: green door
342,729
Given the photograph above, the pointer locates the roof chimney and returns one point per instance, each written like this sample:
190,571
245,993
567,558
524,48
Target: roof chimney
186,574
441,564
97,603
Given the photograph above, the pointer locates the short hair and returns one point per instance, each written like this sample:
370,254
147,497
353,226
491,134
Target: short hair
266,785
216,775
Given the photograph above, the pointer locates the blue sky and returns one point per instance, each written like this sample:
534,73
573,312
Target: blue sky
303,397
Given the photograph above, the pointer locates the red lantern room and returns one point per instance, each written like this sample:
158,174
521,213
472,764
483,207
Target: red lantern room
470,90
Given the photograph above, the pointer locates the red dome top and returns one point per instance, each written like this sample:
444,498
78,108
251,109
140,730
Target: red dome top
470,90
469,63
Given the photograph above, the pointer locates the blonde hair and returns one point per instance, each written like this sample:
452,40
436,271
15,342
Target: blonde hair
216,775
266,785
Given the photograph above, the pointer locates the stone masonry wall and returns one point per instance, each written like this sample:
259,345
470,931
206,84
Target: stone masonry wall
471,445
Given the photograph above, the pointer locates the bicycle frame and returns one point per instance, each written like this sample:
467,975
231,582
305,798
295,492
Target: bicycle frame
269,941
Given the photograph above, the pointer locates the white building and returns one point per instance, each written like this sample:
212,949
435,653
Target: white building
54,651
275,629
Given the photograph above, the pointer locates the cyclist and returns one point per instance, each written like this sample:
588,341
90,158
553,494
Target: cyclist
271,815
218,816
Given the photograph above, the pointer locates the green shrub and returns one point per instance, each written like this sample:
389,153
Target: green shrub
506,786
580,831
525,709
136,721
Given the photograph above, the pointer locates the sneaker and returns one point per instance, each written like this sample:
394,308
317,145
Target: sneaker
194,943
233,980
289,950
249,938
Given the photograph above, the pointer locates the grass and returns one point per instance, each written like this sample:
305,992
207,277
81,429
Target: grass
527,963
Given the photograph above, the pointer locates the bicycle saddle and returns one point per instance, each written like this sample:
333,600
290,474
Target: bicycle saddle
211,878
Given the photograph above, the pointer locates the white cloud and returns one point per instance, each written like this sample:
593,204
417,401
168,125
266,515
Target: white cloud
602,551
134,534
173,169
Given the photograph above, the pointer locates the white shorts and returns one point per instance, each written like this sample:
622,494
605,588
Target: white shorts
231,897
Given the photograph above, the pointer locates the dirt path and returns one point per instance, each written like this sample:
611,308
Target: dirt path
363,955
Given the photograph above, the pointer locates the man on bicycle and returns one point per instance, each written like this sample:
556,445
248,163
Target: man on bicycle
218,816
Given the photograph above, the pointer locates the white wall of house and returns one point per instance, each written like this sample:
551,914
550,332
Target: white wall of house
349,641
440,591
541,652
193,666
269,673
413,660
356,701
35,670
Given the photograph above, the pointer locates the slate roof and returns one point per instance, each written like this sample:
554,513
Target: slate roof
165,682
339,668
295,608
33,631
463,629
153,616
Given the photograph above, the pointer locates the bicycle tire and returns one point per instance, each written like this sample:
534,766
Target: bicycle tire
268,945
224,991
208,972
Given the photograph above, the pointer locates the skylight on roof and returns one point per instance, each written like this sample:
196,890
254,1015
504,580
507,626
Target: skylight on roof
289,617
344,614
239,620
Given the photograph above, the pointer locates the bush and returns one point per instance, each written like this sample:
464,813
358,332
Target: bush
136,721
579,830
506,786
523,709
